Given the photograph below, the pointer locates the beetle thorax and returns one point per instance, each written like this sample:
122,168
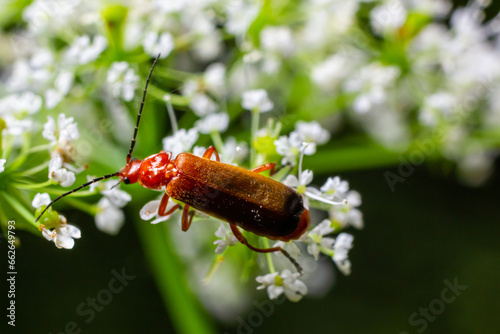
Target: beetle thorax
156,170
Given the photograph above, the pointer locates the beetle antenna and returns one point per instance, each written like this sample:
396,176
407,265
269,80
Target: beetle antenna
132,144
294,262
75,190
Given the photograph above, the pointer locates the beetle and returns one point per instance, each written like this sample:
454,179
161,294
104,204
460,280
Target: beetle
243,198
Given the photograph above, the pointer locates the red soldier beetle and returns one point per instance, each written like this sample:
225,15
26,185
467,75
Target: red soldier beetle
241,197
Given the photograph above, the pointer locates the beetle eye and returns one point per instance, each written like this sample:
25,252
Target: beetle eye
126,180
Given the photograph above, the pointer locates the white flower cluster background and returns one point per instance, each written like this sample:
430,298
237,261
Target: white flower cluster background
305,84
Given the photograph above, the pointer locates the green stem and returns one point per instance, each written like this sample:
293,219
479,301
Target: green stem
269,258
218,260
16,205
177,100
39,148
23,156
254,129
8,149
58,192
32,186
218,143
34,170
171,115
185,311
91,209
326,251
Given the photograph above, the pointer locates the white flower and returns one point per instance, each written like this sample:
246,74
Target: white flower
40,200
213,122
312,132
290,147
328,21
233,152
109,218
59,174
117,197
2,165
388,17
215,78
328,74
256,100
286,283
341,247
122,80
63,234
315,238
83,51
240,16
34,74
277,40
44,14
371,83
199,150
437,8
348,214
19,104
181,141
66,130
226,238
52,98
304,179
202,105
335,188
171,6
150,210
301,185
436,106
208,46
154,44
62,85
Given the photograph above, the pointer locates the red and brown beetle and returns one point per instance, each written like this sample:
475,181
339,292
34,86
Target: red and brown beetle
241,197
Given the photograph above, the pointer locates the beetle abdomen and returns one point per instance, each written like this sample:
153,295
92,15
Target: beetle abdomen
254,202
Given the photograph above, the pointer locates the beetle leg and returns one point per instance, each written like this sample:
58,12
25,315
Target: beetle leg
187,218
241,238
208,153
268,166
163,206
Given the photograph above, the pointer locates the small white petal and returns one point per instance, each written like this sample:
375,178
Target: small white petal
49,129
291,181
63,241
117,197
202,105
149,210
109,219
213,122
256,99
181,141
306,177
49,235
155,44
274,291
295,291
40,199
71,231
